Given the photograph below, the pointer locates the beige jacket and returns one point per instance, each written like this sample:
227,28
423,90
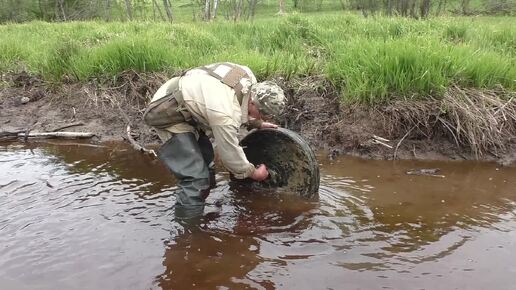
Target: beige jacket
215,107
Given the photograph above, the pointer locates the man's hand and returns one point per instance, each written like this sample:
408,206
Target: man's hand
268,125
260,173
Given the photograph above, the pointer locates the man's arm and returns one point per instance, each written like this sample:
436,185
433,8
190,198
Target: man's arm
231,154
259,124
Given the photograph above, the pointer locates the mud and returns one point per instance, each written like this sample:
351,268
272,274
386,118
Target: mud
107,106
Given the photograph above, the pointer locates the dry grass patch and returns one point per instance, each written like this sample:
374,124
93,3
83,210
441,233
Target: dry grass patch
481,120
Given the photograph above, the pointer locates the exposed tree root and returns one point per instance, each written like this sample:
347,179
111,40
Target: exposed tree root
137,146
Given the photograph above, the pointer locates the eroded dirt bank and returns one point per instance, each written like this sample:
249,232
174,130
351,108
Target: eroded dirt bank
466,124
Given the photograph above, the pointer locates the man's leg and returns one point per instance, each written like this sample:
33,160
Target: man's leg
182,155
208,155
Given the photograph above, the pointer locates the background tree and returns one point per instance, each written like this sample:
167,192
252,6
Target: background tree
129,8
215,9
207,10
281,7
235,10
424,8
441,7
252,7
168,9
465,7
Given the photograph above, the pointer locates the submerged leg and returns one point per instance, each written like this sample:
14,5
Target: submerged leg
208,155
182,155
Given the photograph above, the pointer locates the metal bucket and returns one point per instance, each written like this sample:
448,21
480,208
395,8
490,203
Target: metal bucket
291,162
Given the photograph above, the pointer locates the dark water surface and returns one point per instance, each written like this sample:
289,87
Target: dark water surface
83,217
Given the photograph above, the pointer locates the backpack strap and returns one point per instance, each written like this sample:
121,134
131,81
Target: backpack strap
168,110
233,78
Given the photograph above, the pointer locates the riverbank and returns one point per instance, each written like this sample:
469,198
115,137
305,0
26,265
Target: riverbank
467,125
378,87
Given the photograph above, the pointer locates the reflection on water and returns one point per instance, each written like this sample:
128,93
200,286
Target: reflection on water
90,217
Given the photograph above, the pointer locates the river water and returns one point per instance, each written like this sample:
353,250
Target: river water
102,217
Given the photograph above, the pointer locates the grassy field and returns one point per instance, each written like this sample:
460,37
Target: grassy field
371,60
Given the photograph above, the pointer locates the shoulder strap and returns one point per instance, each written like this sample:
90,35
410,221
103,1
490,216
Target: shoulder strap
232,79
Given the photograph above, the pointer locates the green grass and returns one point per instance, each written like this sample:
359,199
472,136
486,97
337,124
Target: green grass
370,60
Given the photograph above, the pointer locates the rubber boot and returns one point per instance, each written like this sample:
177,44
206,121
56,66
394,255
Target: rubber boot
183,156
209,156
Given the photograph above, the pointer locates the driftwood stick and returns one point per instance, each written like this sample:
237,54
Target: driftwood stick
137,146
11,134
57,135
67,126
381,138
382,143
61,143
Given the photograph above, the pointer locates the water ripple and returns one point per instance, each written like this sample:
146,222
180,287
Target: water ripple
104,219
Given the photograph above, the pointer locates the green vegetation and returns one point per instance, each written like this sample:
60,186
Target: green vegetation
370,59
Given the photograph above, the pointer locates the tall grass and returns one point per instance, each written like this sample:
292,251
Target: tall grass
371,60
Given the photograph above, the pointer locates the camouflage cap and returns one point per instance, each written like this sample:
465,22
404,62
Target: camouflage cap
269,98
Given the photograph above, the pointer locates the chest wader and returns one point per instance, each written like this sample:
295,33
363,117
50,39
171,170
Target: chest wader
188,158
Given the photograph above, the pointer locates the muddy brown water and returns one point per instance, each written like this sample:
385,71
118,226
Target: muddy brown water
84,217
